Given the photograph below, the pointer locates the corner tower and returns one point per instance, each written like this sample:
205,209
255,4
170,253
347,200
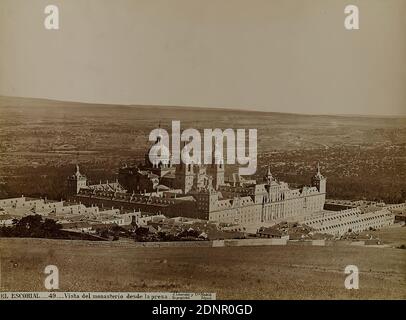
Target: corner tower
319,181
216,169
184,177
76,182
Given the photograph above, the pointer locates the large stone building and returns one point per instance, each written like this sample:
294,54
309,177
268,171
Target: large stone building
201,191
249,203
65,213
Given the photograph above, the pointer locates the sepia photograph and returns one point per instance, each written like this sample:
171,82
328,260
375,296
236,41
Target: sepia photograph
202,150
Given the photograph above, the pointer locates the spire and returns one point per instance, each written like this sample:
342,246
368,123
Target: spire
318,174
268,176
159,137
217,155
318,180
158,154
77,173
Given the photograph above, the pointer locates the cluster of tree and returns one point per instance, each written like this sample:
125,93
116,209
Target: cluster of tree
143,234
113,232
33,226
356,190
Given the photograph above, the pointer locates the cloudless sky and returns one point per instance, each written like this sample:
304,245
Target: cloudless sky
270,55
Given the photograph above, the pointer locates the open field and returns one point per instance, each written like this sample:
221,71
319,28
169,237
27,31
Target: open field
393,235
276,272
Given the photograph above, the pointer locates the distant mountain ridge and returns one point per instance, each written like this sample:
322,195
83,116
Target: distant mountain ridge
8,101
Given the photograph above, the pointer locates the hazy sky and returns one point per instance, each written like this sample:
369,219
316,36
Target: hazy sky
272,55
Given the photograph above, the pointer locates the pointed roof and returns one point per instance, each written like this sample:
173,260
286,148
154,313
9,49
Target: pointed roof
77,174
318,174
268,175
217,154
158,154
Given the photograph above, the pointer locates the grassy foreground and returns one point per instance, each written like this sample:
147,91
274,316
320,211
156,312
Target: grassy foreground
273,272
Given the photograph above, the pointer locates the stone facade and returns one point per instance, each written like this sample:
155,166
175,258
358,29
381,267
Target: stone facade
265,202
201,192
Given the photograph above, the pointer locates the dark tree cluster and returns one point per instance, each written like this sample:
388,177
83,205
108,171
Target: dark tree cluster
33,226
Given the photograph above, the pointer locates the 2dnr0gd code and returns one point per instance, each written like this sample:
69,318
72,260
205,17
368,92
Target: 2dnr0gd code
224,309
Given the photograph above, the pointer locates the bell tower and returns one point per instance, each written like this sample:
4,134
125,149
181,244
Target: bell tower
216,169
76,182
268,178
184,176
319,181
